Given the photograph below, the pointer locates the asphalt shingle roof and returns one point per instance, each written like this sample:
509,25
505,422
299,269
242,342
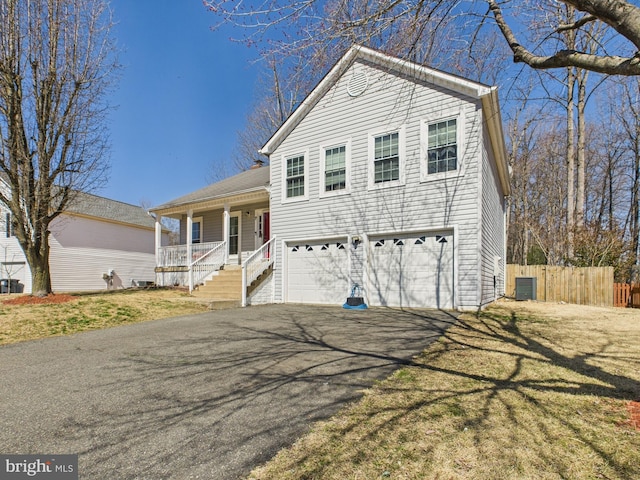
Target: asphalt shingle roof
105,208
101,207
247,181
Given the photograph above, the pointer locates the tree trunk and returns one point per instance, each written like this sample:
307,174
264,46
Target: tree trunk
38,258
582,76
570,164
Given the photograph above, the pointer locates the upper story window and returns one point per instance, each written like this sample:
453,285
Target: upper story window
442,141
295,185
386,161
442,147
295,176
335,168
386,158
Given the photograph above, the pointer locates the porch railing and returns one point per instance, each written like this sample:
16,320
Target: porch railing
255,264
206,263
178,256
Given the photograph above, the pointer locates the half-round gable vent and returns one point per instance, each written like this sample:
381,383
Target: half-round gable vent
357,84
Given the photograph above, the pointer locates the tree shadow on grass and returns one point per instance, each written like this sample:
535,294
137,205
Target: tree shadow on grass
538,385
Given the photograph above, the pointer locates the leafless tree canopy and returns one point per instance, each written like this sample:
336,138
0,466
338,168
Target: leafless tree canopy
56,64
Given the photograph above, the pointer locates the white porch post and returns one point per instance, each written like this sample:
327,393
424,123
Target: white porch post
158,244
225,229
158,238
189,247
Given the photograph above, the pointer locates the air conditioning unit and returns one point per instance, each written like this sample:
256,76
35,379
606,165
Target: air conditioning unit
526,288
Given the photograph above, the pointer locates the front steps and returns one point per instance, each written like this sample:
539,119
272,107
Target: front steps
226,286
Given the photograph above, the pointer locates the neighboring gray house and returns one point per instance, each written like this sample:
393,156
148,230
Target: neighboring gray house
390,175
95,237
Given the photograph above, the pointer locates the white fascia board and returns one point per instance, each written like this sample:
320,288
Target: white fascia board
493,118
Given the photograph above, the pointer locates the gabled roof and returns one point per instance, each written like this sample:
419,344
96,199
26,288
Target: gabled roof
250,181
89,205
487,94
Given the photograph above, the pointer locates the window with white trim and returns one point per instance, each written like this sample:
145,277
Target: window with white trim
386,161
196,230
442,146
295,176
335,168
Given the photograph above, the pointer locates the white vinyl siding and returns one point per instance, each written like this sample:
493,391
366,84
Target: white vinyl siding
389,104
493,231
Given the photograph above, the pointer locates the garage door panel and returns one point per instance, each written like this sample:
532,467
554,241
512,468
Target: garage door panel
317,272
411,270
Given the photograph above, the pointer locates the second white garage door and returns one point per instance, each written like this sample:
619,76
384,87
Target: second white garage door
317,272
413,271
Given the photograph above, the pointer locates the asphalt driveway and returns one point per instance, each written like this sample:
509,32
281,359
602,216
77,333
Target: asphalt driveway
203,396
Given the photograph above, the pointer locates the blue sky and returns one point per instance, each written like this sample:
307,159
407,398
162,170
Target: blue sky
182,95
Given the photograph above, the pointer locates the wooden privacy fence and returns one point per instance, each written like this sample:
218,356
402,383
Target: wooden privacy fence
580,285
626,295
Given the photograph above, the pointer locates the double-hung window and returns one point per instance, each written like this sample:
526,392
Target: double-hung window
386,162
295,177
335,168
442,150
196,230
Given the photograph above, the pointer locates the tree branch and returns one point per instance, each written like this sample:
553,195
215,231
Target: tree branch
610,65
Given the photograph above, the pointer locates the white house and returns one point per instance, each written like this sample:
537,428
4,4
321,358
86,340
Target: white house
94,239
389,176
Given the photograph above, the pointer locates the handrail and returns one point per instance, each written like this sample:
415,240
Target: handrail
206,264
178,255
255,264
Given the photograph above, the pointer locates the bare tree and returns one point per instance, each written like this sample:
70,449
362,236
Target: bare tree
411,23
622,19
56,64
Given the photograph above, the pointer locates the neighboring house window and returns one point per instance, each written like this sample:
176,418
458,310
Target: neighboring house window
442,150
8,225
386,161
196,230
295,177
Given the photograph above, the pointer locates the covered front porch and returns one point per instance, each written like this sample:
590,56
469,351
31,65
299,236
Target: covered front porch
227,231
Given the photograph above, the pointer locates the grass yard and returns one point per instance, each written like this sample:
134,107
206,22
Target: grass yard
90,312
524,391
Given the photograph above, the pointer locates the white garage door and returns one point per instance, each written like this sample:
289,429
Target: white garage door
318,272
411,271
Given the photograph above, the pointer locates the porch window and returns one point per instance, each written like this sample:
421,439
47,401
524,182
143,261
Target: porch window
386,161
196,230
295,177
335,170
442,152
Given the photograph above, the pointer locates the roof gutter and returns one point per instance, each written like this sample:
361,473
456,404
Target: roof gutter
493,118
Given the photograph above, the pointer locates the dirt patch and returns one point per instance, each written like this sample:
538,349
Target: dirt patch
634,414
32,300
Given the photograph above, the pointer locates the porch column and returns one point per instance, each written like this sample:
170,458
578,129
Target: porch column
225,229
158,238
189,247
